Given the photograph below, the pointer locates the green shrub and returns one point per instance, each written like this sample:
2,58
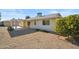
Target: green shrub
68,26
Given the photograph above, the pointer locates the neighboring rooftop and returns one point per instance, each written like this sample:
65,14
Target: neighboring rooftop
56,15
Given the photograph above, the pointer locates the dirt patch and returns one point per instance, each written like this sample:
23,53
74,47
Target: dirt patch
35,40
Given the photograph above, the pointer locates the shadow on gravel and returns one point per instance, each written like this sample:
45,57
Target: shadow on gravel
24,31
74,41
20,32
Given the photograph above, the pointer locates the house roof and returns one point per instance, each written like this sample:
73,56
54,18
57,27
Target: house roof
56,15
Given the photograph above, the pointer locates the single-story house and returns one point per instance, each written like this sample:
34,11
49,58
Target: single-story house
7,23
23,23
12,22
42,22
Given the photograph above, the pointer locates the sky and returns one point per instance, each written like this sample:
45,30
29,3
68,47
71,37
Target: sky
7,14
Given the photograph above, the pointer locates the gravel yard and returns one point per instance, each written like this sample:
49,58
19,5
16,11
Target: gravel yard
35,40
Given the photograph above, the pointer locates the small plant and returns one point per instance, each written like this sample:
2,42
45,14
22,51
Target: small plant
10,28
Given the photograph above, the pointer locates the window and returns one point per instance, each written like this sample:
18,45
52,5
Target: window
45,22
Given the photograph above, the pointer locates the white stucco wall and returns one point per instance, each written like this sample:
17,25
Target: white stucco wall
39,25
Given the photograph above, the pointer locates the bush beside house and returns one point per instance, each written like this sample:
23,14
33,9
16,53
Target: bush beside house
68,26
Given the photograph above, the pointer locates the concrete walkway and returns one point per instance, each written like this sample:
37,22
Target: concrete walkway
21,31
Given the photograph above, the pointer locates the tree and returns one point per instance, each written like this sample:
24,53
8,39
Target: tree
68,26
27,17
0,15
59,26
72,23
